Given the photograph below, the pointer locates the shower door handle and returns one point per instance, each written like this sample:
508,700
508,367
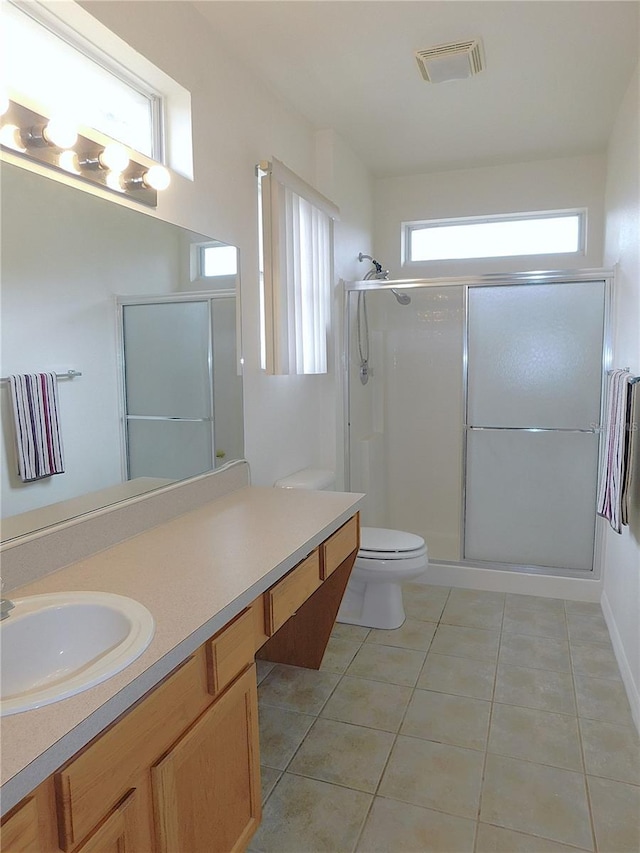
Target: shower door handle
168,418
591,430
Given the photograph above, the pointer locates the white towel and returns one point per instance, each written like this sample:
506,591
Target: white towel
612,467
37,423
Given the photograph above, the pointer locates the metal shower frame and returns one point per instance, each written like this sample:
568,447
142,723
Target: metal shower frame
488,280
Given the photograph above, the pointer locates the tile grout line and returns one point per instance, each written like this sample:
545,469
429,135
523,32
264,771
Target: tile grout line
397,733
486,750
594,842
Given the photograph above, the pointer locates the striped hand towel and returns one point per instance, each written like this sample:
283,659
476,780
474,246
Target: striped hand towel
612,472
630,484
37,423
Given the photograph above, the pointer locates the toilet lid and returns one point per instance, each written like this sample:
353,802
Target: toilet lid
380,540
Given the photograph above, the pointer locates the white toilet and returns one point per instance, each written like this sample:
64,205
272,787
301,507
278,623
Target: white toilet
386,559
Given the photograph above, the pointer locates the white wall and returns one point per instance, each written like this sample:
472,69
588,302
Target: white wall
517,187
290,421
343,178
621,597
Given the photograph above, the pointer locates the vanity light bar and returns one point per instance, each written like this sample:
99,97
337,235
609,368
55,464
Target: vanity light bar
50,142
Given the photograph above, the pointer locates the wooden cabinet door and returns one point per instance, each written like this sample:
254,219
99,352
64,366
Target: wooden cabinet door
206,789
20,830
119,832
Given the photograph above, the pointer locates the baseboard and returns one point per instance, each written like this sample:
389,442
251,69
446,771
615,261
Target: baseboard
633,692
548,586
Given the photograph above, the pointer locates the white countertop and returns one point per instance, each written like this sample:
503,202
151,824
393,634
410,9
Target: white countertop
194,574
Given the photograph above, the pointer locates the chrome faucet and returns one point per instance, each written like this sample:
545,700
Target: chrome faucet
6,605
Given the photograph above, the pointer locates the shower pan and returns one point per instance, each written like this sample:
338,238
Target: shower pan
479,428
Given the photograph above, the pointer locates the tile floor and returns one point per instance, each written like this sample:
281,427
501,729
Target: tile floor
487,723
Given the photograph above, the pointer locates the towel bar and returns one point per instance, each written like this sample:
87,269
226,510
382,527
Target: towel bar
70,374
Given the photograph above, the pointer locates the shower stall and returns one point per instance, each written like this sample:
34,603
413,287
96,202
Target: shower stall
477,422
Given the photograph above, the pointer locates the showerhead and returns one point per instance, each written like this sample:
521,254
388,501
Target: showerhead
377,273
403,298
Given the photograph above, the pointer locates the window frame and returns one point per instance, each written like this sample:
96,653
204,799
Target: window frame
61,30
290,300
199,260
409,227
172,111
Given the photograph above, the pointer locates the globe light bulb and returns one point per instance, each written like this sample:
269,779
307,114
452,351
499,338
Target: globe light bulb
68,160
114,181
114,157
10,138
60,133
157,177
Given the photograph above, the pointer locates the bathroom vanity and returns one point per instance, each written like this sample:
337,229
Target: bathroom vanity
164,756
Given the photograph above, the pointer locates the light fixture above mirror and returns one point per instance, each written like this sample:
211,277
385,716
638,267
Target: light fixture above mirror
57,144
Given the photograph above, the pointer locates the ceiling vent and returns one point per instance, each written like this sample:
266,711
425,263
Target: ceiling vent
454,61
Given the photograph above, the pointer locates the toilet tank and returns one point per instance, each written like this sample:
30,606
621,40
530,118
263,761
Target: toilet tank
309,478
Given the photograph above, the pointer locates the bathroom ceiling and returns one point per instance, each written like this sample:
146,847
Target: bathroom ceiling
555,74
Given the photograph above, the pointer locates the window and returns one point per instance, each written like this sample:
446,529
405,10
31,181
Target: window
217,259
551,232
85,73
297,249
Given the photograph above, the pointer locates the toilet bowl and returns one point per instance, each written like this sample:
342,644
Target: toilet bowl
386,559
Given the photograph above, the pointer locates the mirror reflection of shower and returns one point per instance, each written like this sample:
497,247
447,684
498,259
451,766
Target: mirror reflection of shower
362,320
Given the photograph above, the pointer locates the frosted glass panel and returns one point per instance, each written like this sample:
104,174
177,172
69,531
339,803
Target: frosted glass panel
530,498
227,383
167,359
535,355
172,449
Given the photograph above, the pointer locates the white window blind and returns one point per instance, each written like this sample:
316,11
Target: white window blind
297,239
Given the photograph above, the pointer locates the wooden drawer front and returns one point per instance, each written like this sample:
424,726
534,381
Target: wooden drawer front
91,784
231,651
284,598
20,829
339,545
260,635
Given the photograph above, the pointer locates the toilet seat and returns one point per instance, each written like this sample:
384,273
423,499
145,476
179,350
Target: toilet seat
380,543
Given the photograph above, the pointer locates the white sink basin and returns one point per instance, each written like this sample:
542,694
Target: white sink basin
54,646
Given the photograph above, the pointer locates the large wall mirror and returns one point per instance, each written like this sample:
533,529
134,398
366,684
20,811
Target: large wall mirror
147,313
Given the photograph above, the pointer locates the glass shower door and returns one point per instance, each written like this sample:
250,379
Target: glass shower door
168,389
533,401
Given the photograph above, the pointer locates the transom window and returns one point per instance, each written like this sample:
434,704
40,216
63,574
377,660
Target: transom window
50,64
544,233
217,259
